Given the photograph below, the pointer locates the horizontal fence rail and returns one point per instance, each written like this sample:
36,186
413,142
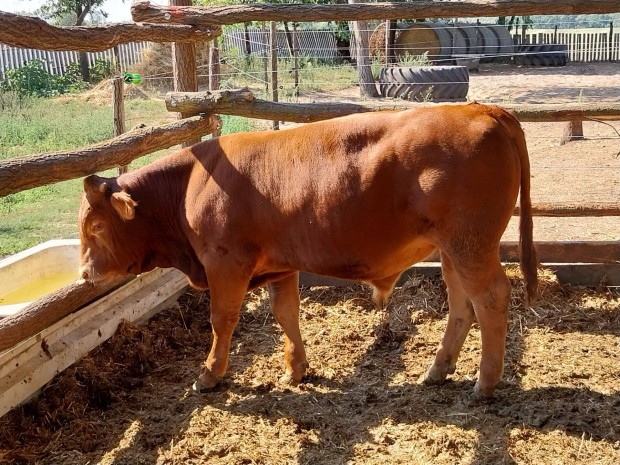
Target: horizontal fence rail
18,174
30,32
232,14
242,102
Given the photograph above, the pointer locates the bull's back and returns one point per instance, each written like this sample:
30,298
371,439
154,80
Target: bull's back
341,196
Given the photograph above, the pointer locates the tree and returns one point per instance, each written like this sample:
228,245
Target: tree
364,71
77,11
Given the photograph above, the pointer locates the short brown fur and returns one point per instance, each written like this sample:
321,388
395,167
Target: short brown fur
361,197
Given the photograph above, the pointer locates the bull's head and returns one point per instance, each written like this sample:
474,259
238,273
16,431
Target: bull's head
105,218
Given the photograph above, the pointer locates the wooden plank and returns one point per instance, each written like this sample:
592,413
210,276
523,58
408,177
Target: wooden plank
50,309
59,329
33,370
144,11
567,251
27,31
578,274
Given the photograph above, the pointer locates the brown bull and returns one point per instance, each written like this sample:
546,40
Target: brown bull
361,197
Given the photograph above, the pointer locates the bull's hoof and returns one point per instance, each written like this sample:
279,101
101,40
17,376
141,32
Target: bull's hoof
200,388
475,398
435,375
287,379
482,392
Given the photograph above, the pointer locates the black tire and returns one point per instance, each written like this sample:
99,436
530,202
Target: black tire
541,55
437,83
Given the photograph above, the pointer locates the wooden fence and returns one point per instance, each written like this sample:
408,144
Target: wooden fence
39,170
56,62
584,45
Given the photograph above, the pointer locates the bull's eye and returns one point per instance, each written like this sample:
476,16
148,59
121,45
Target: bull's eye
97,227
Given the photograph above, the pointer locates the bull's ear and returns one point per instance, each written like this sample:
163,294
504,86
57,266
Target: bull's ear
124,205
94,186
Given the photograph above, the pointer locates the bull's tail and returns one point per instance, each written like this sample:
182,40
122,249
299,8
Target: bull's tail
529,259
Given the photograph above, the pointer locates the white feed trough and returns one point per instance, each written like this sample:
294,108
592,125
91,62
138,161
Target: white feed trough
33,273
37,272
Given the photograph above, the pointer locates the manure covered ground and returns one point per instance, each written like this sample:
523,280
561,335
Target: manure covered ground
130,401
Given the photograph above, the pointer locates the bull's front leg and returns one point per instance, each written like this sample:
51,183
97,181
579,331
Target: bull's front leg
284,296
227,294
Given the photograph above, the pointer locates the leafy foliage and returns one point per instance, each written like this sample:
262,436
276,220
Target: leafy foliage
32,79
77,10
100,70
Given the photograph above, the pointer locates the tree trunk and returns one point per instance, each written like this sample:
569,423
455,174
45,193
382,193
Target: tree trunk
81,15
185,75
247,44
84,69
362,55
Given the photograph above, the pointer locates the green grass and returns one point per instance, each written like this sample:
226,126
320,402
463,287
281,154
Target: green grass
314,76
30,217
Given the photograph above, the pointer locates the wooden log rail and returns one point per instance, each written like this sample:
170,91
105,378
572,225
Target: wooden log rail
48,310
19,174
242,102
29,32
231,14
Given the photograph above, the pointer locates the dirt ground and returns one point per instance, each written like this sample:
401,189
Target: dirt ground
130,401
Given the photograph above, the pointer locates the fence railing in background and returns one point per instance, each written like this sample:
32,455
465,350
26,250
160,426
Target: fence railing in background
57,62
584,45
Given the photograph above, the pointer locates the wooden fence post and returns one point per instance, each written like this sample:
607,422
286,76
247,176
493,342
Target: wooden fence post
362,57
573,130
291,41
214,75
264,55
184,67
295,59
274,66
118,109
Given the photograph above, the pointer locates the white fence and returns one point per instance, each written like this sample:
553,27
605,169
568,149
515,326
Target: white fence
584,45
316,44
57,62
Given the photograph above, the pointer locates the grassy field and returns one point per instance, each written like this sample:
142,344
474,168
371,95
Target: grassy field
43,125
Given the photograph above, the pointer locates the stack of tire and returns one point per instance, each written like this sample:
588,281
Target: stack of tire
425,83
541,55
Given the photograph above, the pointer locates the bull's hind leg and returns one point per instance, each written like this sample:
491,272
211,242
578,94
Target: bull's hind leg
284,296
491,307
460,319
487,286
227,296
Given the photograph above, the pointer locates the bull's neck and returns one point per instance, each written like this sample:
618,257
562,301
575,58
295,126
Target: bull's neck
159,189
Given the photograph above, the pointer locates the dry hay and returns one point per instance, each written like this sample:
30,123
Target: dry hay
129,402
156,65
102,93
